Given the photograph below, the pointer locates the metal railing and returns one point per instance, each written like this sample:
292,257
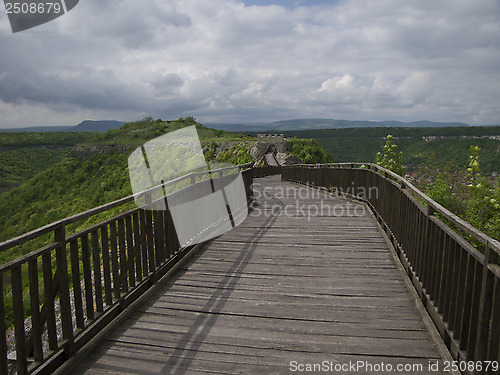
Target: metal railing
88,277
458,283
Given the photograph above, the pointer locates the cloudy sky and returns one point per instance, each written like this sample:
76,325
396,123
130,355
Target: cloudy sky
255,60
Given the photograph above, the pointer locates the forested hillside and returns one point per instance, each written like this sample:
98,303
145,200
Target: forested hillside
23,155
419,145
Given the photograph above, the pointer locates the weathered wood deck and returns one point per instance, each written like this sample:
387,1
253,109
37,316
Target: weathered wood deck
281,290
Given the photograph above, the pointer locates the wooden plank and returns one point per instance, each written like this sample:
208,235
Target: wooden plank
166,235
228,359
36,321
445,287
173,320
150,240
144,243
77,288
137,246
455,286
96,262
158,234
485,307
87,277
122,255
130,251
63,287
269,285
476,298
115,271
106,266
3,336
48,305
18,310
160,227
494,342
208,334
229,294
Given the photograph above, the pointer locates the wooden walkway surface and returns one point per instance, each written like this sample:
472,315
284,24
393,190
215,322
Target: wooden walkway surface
281,291
271,160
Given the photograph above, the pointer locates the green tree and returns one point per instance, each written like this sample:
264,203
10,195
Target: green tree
449,190
483,204
309,151
390,158
468,194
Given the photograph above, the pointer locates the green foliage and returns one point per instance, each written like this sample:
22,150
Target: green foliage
211,152
138,132
236,154
468,194
71,186
483,204
448,189
43,139
390,158
309,151
24,154
18,165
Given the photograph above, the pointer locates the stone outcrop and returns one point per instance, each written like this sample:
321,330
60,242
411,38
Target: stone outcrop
284,159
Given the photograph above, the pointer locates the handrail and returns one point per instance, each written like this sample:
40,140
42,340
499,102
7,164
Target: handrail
90,276
19,240
431,204
458,283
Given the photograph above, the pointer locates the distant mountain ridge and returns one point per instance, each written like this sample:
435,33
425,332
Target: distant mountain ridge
97,126
84,126
295,124
323,123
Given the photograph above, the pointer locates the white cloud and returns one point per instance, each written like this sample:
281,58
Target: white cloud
222,60
415,89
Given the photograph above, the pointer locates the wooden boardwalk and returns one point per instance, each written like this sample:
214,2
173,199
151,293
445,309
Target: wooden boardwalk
285,289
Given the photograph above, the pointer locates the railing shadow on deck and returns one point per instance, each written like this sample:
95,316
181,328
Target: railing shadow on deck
458,283
92,276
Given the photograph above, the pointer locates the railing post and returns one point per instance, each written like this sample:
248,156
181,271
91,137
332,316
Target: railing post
63,281
3,338
20,335
485,307
36,324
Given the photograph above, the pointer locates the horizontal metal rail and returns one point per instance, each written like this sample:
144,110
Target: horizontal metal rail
459,283
87,278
